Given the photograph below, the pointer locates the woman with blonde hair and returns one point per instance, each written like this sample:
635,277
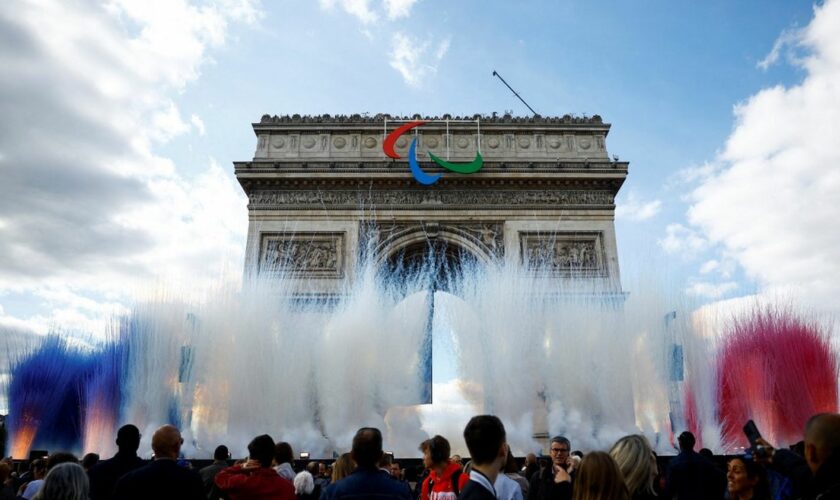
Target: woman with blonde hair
637,463
343,467
599,478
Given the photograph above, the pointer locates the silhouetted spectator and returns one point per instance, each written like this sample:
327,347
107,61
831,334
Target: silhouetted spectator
599,478
510,472
551,476
531,466
343,467
367,481
692,476
38,470
163,478
104,475
208,474
89,460
7,491
486,439
256,479
305,486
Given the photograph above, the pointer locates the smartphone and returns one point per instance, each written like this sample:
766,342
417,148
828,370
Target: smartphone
752,433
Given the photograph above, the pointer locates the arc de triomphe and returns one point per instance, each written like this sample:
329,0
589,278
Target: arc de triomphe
320,187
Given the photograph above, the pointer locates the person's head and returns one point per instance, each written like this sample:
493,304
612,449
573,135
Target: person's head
367,447
222,453
746,479
385,461
822,439
322,469
5,472
65,481
343,467
304,483
599,478
128,439
166,442
38,468
486,439
283,453
559,450
635,459
396,471
60,457
530,458
435,451
312,468
90,460
686,441
510,463
262,449
455,459
706,453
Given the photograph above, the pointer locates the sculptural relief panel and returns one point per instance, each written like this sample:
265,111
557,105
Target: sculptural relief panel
564,253
308,255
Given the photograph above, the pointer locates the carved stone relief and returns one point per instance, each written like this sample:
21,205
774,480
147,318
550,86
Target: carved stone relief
309,255
410,199
563,253
489,236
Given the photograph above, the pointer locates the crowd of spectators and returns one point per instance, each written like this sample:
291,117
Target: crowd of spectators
628,470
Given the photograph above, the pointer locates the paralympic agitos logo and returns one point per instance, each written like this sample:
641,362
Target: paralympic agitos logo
418,173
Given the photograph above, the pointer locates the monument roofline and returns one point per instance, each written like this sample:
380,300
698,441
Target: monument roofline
296,120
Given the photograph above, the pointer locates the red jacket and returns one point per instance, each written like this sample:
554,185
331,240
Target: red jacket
254,484
442,485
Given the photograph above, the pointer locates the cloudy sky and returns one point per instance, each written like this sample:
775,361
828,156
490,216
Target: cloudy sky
119,122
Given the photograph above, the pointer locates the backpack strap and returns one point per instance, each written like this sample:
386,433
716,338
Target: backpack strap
456,476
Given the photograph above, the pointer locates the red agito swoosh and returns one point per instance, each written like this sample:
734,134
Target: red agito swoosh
388,145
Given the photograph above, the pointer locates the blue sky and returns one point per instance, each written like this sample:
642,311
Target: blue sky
122,120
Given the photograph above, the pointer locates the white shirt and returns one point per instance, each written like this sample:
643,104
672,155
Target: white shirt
507,488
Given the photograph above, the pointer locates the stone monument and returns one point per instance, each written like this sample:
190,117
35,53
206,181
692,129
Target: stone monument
321,189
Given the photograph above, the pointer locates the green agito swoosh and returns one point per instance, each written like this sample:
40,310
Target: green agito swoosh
461,168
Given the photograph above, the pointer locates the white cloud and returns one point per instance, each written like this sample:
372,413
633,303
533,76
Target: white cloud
711,290
416,60
90,209
682,240
787,41
360,9
772,205
198,123
398,8
636,209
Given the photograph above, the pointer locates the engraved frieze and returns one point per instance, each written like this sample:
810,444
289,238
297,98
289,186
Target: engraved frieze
407,199
488,236
563,253
311,255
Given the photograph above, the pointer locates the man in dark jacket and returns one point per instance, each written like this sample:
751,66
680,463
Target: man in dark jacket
693,476
163,478
367,481
104,475
208,474
544,483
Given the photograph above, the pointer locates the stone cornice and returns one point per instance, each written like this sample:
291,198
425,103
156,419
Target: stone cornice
378,119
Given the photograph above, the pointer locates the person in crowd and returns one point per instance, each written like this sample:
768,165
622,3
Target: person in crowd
691,476
746,480
89,460
38,470
599,478
817,474
549,477
256,479
396,471
283,458
487,441
305,486
7,492
511,470
65,481
162,478
637,464
342,467
531,466
104,475
456,459
367,481
323,476
208,474
507,483
445,478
